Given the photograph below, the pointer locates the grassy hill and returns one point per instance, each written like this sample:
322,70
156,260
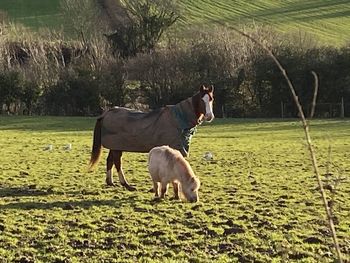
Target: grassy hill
328,20
34,13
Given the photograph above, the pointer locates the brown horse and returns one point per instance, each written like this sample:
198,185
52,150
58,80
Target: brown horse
124,130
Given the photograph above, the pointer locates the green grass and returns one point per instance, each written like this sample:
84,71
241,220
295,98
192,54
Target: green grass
326,20
258,201
34,13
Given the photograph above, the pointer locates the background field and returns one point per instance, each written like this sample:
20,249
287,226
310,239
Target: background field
259,200
34,13
327,20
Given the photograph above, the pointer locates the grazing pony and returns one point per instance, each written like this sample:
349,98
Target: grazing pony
121,129
167,165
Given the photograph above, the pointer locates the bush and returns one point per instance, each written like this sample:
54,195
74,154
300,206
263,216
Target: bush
78,78
76,93
11,87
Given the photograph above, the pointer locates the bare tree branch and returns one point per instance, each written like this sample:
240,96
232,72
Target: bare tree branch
308,140
313,105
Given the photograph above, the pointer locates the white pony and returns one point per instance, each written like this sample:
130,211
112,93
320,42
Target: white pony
167,165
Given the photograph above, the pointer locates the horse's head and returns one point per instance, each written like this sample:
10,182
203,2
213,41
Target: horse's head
203,102
190,190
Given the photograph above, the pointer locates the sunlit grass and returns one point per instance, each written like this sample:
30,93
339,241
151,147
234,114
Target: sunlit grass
325,20
258,201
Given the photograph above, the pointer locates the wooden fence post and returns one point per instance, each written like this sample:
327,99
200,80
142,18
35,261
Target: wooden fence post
342,113
282,110
223,111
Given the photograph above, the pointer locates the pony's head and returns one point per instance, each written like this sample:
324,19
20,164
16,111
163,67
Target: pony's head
190,189
203,103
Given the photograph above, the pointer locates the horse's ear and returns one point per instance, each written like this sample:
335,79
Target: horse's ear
211,88
202,88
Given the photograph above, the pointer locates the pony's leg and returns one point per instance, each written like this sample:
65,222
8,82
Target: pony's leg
117,159
176,190
109,173
164,189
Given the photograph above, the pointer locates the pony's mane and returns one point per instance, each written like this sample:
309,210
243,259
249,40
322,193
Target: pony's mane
174,156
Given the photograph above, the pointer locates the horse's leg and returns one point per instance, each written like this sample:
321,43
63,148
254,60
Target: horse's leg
109,173
164,189
117,159
176,190
155,189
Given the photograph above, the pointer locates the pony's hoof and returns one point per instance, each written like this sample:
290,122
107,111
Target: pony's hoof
111,184
151,190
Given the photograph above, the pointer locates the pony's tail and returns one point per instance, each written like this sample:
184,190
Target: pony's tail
96,146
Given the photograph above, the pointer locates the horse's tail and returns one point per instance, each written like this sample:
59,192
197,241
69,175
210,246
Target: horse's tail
96,145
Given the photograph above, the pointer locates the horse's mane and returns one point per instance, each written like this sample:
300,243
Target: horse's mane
196,98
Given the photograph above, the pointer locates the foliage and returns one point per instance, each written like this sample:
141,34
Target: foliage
247,84
268,88
258,201
76,93
143,25
30,96
82,17
10,88
53,74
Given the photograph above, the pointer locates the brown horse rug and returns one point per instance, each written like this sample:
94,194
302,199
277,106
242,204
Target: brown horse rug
128,130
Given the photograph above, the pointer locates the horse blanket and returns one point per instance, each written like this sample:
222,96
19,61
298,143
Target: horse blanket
134,131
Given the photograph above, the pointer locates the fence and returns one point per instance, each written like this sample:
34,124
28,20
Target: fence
322,110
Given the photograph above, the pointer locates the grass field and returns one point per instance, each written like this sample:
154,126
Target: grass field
258,201
327,20
34,13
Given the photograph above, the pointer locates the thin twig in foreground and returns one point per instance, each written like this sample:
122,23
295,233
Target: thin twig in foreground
307,137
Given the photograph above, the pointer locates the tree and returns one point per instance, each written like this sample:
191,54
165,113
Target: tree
143,24
30,95
82,16
10,88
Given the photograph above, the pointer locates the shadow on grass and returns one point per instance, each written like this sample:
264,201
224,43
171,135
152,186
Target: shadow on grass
65,205
22,191
47,123
70,205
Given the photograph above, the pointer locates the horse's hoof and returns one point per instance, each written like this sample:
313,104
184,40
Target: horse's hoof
130,188
156,199
110,184
151,190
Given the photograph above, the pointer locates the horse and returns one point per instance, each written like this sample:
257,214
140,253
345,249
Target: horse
167,165
121,130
